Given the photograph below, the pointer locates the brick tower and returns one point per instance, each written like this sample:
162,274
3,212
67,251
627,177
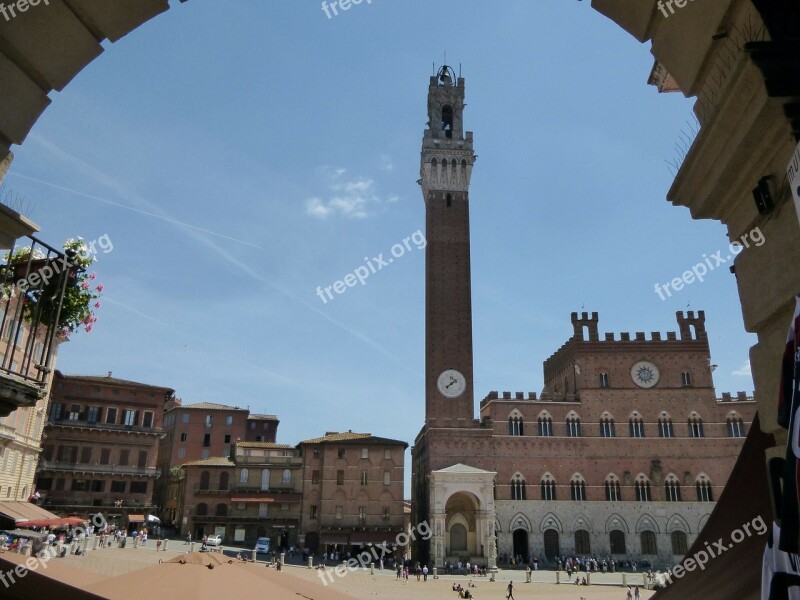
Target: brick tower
445,169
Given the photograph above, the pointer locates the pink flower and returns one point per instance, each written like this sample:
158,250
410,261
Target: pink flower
88,328
84,285
99,287
97,305
93,275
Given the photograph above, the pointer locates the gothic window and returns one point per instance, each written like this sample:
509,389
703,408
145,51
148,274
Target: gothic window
548,486
636,427
686,379
607,427
515,425
577,489
573,427
696,426
612,489
518,488
642,487
603,380
672,489
704,491
665,429
735,427
545,426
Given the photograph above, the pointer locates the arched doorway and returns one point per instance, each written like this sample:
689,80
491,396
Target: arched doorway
520,537
461,540
552,549
312,542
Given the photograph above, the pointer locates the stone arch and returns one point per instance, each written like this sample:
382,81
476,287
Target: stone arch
647,523
703,520
677,523
520,521
497,528
581,521
617,521
607,415
550,521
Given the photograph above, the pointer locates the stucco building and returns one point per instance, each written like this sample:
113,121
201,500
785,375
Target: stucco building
623,453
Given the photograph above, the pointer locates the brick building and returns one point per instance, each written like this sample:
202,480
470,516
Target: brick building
352,491
100,444
623,453
195,432
339,491
256,493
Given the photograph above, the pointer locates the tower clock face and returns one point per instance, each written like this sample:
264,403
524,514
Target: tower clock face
451,383
645,374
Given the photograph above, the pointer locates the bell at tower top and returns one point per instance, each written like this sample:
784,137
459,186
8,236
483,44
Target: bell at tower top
446,105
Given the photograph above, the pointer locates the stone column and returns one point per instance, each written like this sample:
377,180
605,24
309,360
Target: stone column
438,546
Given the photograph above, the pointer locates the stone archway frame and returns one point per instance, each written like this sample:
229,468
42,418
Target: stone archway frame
476,484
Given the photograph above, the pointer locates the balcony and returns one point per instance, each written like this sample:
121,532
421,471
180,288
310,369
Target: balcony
269,461
34,279
98,426
49,465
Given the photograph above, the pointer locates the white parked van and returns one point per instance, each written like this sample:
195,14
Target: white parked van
262,545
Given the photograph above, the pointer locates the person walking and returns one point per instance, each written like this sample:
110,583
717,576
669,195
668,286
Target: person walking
636,595
510,594
425,573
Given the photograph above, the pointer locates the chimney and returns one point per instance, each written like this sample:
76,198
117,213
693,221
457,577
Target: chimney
109,374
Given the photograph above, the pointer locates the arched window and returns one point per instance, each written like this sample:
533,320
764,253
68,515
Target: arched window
244,474
679,545
642,487
735,426
636,426
616,540
515,424
672,489
665,429
222,510
577,489
205,480
613,489
704,490
582,544
573,426
648,540
607,428
695,426
202,509
447,120
287,477
545,426
223,480
548,486
518,487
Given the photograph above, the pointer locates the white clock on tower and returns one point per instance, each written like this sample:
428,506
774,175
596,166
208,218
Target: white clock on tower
645,374
451,383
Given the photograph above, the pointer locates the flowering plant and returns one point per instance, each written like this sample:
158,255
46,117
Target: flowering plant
81,295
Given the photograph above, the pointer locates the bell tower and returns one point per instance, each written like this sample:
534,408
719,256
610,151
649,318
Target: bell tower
445,169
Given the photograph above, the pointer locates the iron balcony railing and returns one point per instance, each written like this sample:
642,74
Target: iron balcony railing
34,278
66,421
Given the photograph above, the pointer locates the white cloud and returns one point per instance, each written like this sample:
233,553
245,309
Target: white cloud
354,198
744,371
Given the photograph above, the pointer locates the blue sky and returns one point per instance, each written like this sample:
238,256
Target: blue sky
240,157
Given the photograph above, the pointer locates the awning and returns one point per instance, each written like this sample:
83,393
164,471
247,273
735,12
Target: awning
21,512
135,518
57,522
